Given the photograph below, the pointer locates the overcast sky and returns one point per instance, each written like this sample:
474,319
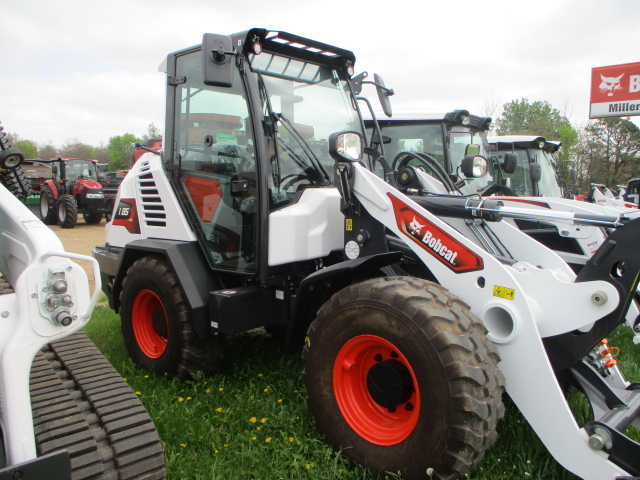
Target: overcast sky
88,70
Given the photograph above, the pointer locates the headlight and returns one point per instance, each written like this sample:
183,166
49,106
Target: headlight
345,146
95,195
474,166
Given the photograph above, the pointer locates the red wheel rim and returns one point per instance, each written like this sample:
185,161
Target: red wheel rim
375,423
147,316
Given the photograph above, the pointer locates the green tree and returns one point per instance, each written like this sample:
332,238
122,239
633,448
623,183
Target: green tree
520,117
28,148
121,151
152,132
74,148
610,151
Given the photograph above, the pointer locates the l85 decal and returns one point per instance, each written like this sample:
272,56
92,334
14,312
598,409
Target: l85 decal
126,215
434,240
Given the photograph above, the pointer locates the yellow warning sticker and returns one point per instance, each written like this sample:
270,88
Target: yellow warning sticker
348,226
504,292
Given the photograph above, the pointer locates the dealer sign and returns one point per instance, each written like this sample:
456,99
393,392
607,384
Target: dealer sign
615,91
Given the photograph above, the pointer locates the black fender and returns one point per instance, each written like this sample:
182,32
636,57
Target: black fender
187,261
316,288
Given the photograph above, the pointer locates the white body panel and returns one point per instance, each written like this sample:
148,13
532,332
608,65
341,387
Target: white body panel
29,252
310,228
147,184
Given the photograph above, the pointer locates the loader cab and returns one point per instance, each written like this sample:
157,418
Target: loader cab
248,124
536,172
448,138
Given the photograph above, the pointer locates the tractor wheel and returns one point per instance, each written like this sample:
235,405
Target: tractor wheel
81,403
67,211
48,210
156,322
16,182
92,217
401,378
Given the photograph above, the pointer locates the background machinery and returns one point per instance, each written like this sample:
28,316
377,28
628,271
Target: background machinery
415,311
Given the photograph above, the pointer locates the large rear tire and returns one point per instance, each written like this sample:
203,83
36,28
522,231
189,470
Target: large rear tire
47,205
81,404
156,322
400,375
67,211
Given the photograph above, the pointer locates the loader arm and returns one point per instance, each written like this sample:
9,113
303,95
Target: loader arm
502,296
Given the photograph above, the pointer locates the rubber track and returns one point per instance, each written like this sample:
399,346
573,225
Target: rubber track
82,404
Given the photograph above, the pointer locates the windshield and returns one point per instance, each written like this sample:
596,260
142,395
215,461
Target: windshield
459,139
81,169
303,104
548,185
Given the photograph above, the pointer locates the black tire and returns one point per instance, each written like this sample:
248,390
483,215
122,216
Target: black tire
400,375
16,182
92,217
67,211
156,322
80,403
47,207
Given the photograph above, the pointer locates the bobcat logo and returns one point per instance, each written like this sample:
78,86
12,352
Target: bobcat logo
610,84
415,228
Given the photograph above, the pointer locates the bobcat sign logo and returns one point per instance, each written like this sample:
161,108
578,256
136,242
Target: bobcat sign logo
615,91
434,240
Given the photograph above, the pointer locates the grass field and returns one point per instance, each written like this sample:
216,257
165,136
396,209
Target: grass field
250,421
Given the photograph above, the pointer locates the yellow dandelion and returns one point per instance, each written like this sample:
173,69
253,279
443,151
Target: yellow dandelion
279,400
138,393
263,420
259,375
183,445
258,428
267,440
225,445
265,390
253,419
254,438
215,451
180,399
221,389
219,409
308,467
124,378
208,390
146,376
291,439
188,398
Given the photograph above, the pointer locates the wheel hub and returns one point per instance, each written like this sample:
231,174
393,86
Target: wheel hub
389,384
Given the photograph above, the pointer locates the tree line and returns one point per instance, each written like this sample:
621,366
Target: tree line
117,153
604,151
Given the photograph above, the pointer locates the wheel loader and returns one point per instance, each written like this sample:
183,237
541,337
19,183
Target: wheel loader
66,412
415,313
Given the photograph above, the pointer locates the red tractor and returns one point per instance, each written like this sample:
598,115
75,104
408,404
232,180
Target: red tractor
73,189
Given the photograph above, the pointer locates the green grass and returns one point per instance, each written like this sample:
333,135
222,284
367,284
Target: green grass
249,420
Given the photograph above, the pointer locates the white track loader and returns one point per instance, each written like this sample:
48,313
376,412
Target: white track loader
66,413
415,312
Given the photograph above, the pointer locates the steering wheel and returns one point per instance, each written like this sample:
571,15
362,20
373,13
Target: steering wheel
289,180
403,159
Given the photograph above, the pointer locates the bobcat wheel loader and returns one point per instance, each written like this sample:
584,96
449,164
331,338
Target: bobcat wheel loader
263,211
66,413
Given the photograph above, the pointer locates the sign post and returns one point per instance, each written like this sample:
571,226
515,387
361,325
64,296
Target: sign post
615,91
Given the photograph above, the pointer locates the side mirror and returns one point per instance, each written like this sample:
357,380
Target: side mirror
217,60
383,94
510,163
535,172
472,149
54,169
474,166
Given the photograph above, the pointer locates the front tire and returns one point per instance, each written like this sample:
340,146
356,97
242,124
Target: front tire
47,207
67,211
156,322
400,375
